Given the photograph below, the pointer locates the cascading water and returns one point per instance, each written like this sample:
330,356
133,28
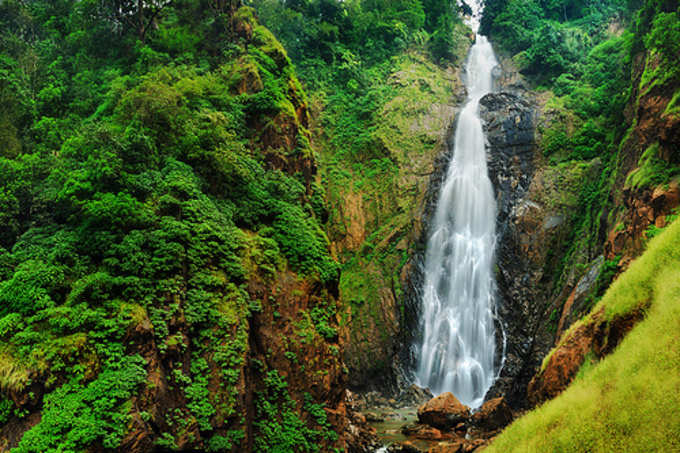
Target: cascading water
458,347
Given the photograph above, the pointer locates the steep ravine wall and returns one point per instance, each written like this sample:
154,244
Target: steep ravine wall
636,213
230,346
536,202
542,289
377,224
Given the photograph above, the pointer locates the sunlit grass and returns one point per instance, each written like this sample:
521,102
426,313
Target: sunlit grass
13,374
629,401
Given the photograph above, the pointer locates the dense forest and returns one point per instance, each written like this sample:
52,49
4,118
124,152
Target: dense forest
213,216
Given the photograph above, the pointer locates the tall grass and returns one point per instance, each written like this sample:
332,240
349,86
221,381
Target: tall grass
14,375
629,401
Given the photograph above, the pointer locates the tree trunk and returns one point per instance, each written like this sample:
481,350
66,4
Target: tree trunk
140,20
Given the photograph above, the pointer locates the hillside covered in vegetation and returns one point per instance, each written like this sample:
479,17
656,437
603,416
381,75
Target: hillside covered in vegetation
165,271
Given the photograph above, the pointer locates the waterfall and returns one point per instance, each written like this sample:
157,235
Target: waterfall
458,339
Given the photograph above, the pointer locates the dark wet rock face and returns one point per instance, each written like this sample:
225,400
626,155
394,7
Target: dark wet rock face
509,123
536,205
414,396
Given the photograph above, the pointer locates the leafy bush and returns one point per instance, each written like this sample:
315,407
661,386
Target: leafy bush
279,427
76,416
652,170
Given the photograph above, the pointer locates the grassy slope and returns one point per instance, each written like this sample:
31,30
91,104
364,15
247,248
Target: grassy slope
629,401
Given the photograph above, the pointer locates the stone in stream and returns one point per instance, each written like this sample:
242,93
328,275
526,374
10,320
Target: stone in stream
403,447
373,417
494,414
449,447
443,412
423,432
414,396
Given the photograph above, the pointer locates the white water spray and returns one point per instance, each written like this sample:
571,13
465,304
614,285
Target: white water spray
458,347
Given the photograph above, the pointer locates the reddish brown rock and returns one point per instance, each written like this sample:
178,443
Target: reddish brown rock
359,435
643,207
448,447
424,432
563,365
596,334
443,411
493,415
474,445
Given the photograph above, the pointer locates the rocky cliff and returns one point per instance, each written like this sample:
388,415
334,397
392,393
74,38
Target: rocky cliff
643,199
377,213
535,202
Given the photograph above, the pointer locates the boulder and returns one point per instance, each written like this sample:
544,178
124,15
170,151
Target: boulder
494,414
373,417
448,447
415,396
424,432
443,412
403,447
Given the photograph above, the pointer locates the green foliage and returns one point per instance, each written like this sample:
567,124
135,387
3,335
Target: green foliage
223,443
652,170
322,317
279,427
6,410
550,37
140,192
77,415
304,243
369,30
662,39
592,86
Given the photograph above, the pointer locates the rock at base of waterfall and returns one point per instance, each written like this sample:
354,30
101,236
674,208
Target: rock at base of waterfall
373,417
424,432
448,447
493,415
414,396
361,437
443,411
403,447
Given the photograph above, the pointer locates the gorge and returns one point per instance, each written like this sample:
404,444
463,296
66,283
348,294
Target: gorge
255,225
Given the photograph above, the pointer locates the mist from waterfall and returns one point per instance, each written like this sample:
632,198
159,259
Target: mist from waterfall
457,318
